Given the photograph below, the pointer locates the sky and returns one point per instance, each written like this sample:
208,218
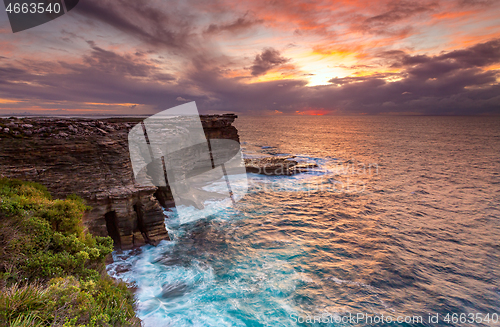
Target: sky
301,57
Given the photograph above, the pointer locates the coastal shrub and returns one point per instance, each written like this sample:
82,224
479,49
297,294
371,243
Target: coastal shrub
29,320
17,300
51,271
67,302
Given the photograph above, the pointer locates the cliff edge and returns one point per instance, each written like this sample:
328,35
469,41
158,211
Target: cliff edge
90,158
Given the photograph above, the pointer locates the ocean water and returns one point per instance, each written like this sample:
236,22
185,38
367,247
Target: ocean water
400,219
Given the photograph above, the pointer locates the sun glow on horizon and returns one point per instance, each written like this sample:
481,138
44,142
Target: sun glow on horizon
312,112
320,68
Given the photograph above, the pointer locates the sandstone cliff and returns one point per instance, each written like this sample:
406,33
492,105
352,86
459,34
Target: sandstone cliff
90,158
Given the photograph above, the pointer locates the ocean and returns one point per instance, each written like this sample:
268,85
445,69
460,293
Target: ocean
399,221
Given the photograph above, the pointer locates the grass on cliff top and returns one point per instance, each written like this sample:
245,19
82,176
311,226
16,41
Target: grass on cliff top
52,272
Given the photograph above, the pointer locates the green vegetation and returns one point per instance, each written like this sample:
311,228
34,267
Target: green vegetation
51,271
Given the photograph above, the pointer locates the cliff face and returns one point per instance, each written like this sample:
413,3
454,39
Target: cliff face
90,158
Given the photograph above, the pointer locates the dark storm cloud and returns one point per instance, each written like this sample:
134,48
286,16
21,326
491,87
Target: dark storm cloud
445,83
397,11
102,76
113,63
9,72
479,55
449,83
140,19
239,25
265,61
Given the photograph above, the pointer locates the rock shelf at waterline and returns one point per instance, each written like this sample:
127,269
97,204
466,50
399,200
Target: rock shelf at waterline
277,166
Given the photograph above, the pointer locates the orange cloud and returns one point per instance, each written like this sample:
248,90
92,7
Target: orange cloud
313,112
5,101
453,15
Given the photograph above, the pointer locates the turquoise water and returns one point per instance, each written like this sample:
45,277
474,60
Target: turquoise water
400,219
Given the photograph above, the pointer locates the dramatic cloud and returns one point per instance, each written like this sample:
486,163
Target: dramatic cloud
258,57
239,25
265,61
140,18
109,62
397,11
472,3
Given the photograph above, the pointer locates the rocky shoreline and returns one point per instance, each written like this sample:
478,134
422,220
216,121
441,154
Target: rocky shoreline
90,158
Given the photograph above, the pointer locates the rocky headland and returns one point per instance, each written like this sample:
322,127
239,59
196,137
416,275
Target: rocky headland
90,158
